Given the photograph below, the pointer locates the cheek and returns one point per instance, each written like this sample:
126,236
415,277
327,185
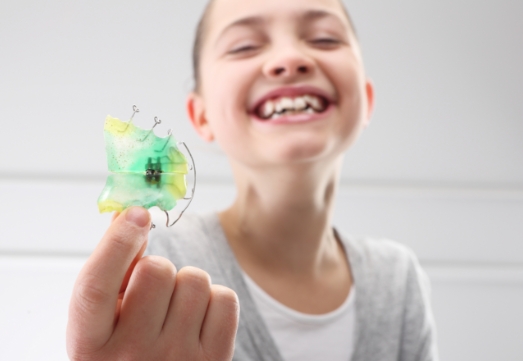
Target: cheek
349,80
352,117
225,88
226,85
225,118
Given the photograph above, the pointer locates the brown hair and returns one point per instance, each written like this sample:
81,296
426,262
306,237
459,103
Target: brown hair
200,37
198,43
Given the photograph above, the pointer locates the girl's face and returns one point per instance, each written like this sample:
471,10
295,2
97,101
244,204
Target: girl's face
282,82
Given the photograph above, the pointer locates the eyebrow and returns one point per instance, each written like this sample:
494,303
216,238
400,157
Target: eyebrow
318,14
248,21
309,15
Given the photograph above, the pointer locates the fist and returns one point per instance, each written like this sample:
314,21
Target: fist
128,307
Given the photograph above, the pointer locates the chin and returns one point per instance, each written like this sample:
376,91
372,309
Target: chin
299,150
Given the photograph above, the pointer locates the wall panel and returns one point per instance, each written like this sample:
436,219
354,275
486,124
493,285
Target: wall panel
478,312
440,225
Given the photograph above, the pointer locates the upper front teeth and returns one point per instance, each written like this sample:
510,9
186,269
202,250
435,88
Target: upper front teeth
314,102
268,109
284,104
288,104
300,103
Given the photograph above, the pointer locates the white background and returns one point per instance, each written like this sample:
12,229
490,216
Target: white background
439,169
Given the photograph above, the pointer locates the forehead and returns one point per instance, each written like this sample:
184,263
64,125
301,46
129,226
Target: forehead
226,12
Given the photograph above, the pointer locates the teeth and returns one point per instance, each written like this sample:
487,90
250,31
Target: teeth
300,103
268,109
274,108
284,104
314,102
287,103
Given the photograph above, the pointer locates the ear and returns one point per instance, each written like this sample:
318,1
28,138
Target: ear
196,111
369,91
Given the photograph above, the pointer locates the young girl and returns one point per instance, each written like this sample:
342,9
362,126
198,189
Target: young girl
281,86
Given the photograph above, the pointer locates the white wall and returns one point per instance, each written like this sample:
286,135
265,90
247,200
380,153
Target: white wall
440,168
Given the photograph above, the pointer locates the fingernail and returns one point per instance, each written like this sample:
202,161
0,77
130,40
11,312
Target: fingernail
137,215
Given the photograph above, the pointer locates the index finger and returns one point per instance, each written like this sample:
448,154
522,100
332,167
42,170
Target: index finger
95,295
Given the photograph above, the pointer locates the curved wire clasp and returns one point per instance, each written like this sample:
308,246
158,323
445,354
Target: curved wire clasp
135,110
193,168
156,122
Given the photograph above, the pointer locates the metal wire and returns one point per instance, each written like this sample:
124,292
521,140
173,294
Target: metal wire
169,135
135,110
192,190
156,122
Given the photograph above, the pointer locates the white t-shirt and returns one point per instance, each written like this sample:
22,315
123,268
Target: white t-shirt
304,337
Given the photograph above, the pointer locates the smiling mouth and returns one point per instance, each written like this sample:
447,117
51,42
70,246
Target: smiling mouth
285,106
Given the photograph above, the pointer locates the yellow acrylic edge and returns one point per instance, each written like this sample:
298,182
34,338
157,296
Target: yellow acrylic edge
109,206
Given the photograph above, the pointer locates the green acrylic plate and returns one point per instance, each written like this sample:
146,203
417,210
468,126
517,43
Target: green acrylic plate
147,170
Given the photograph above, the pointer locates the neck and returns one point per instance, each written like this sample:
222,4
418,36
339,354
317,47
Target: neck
281,218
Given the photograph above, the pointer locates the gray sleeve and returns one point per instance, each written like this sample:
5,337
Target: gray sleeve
419,331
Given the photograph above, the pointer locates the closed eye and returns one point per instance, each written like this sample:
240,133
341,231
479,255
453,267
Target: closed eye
243,49
325,41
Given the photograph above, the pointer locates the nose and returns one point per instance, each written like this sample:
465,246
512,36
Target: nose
288,64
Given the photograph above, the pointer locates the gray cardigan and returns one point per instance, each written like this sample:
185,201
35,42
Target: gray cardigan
393,316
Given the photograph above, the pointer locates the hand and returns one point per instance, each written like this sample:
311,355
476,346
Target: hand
125,307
